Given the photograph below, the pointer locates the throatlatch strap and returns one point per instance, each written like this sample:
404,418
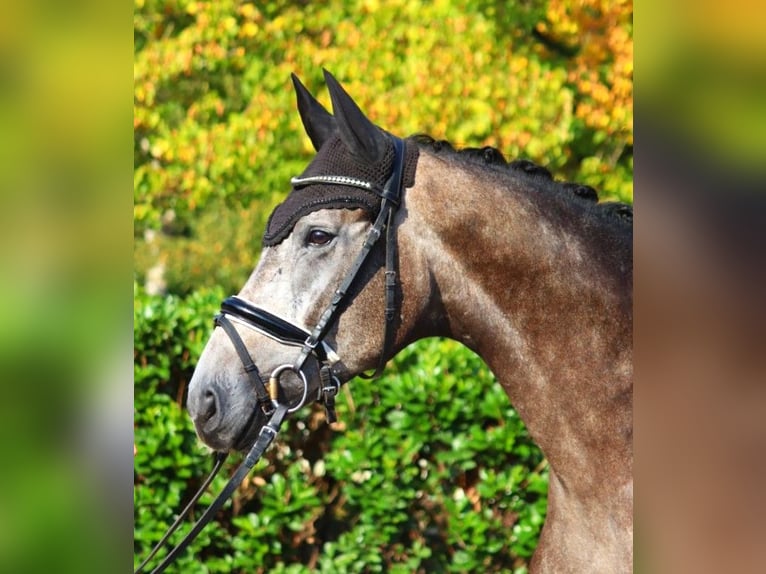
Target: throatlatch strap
391,199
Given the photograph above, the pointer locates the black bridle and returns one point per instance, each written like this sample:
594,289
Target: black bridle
237,310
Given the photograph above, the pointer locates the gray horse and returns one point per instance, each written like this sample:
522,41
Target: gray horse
533,275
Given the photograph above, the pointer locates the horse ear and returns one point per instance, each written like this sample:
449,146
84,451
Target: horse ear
363,138
317,121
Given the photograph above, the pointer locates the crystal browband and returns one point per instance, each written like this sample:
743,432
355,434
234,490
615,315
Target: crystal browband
334,179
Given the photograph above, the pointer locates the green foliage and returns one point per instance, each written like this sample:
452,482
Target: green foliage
433,472
223,251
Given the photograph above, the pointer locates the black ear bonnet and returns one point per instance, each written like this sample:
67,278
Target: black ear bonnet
334,159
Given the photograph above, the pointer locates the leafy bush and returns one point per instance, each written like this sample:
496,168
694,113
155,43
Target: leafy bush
434,470
222,252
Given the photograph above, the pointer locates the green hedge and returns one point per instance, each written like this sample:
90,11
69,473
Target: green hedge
432,471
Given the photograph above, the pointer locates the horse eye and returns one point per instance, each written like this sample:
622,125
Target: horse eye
319,237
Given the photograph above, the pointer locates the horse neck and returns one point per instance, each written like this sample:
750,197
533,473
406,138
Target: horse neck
518,280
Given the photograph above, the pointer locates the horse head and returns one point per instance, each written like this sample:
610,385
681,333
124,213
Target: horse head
312,314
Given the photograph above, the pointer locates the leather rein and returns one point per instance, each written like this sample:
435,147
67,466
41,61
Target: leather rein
237,310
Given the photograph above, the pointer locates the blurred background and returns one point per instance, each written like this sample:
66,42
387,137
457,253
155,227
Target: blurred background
551,81
700,313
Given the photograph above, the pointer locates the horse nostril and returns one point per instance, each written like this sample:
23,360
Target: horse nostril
209,406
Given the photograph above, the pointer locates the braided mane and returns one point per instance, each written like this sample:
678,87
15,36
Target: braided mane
493,158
